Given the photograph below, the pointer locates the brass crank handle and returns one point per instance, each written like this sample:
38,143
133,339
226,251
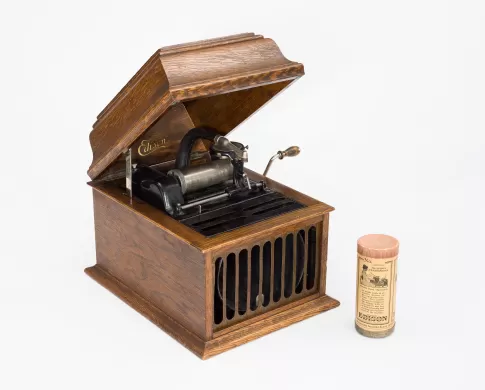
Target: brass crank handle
292,151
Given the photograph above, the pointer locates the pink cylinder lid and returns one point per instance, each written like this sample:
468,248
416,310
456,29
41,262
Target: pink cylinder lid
378,246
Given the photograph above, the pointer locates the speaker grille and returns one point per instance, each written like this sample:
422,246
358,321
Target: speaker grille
265,275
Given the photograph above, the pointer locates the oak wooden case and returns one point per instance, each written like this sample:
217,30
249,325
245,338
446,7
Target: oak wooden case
166,270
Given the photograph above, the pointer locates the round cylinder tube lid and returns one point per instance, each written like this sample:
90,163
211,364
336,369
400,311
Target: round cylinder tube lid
378,246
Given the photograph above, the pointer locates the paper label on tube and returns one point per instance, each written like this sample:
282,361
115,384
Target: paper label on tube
376,293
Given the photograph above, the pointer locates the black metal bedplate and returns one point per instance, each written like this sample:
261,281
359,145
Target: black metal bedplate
237,212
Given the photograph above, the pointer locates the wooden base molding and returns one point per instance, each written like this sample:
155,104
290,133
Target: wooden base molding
207,349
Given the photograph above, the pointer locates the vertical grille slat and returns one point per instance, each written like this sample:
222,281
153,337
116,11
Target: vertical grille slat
318,248
305,267
272,273
312,234
283,267
266,275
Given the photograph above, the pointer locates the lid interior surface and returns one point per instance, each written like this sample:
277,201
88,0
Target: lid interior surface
160,142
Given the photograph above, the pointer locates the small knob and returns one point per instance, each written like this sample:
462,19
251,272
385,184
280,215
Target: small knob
290,152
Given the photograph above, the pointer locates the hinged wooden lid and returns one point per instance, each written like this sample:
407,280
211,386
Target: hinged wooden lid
218,83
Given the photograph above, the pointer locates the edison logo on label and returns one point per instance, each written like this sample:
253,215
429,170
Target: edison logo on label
147,147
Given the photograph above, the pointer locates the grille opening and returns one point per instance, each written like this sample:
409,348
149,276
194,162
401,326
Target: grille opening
301,253
230,282
217,300
312,257
243,280
289,266
255,298
265,275
278,261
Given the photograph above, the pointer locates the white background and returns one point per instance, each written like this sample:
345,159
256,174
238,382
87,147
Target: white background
390,120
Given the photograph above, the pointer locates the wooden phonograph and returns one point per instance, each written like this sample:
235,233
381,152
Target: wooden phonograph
214,254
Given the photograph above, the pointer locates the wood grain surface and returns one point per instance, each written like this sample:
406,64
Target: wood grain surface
152,263
188,339
189,72
157,217
268,325
160,267
171,266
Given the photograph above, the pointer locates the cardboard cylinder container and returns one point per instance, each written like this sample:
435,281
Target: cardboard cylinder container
376,285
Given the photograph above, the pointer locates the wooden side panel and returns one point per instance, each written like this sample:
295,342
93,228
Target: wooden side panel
148,310
153,263
209,294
